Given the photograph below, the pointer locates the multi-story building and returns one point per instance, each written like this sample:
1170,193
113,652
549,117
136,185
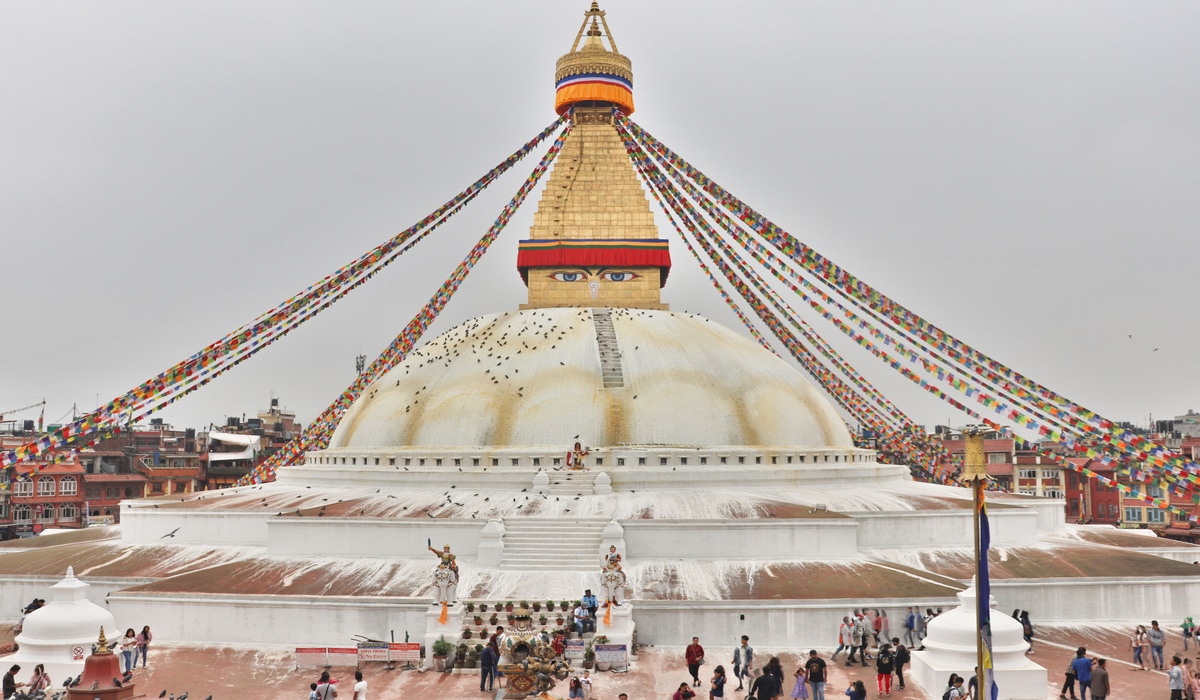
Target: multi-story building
146,460
233,449
43,494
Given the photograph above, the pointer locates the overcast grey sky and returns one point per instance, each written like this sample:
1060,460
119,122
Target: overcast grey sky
1025,174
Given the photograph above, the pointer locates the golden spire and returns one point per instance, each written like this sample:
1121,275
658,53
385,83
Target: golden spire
102,644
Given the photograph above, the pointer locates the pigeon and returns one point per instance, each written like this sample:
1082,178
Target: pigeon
183,697
117,682
163,693
170,534
95,684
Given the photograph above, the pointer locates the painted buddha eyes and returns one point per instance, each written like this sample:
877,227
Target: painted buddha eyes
606,276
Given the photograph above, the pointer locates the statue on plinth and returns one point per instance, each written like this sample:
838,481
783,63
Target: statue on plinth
612,577
445,576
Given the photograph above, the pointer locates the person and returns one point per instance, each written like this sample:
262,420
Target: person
1027,630
583,623
844,633
494,642
902,659
956,691
1082,666
10,681
1100,686
360,686
1137,644
694,656
575,689
858,641
885,663
446,560
800,689
1189,629
765,687
622,696
743,661
558,645
40,679
325,689
575,457
590,602
683,692
1157,638
128,645
586,682
312,693
857,691
774,668
1175,680
716,684
1068,682
487,668
143,644
814,668
910,626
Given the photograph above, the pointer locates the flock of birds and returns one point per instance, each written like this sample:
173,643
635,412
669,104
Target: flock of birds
23,694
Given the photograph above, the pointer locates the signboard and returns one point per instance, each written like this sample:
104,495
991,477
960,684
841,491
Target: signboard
77,653
310,656
573,649
404,652
342,656
611,653
372,651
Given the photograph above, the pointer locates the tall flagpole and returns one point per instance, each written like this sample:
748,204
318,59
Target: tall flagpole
975,471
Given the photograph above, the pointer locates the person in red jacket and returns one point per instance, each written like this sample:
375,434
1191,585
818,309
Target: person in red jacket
694,655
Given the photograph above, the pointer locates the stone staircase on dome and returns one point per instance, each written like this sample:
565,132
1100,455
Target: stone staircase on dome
552,544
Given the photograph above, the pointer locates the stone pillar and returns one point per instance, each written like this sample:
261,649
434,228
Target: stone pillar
602,485
541,482
491,544
613,534
434,628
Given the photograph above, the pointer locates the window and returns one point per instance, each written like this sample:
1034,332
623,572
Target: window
67,513
1027,491
457,462
22,514
113,491
1053,493
495,462
1050,474
620,461
704,460
47,514
537,461
683,460
156,487
515,462
23,488
722,460
46,486
997,458
421,462
1152,491
774,459
407,461
437,462
180,487
391,461
741,460
1028,474
377,461
68,486
1112,510
474,461
758,460
1133,515
662,461
1156,515
641,461
599,461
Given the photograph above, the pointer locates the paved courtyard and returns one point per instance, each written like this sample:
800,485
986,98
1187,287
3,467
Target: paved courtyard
270,673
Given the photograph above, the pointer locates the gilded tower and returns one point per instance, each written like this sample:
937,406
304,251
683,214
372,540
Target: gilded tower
593,241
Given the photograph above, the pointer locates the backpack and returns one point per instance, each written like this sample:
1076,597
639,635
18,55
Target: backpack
946,695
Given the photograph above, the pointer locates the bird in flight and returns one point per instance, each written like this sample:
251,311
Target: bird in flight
170,534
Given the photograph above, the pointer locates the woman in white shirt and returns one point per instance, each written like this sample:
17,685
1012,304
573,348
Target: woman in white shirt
1137,644
128,645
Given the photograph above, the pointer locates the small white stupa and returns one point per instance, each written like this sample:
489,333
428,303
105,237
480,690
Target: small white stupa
61,633
950,648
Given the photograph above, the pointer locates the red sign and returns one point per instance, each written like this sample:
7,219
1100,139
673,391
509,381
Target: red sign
404,652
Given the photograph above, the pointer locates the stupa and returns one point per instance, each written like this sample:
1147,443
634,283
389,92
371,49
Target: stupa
61,633
534,441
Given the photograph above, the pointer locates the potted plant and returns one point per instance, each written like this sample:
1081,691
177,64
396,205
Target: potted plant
550,605
472,659
508,606
466,633
566,604
493,620
470,607
478,619
542,619
442,649
560,619
525,604
483,607
589,654
537,605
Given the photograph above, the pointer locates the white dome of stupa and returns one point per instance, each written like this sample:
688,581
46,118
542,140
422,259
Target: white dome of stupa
63,629
541,376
